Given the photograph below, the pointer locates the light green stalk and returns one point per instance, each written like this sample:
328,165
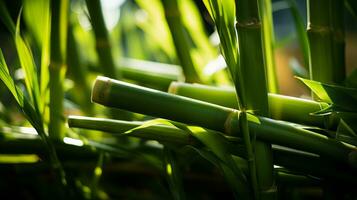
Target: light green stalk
252,75
57,67
281,107
326,38
147,101
78,74
269,44
289,158
173,17
153,74
102,40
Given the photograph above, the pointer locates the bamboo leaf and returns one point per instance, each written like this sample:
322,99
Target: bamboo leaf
148,124
27,65
318,89
341,98
8,81
6,18
218,144
236,184
223,14
203,50
348,123
41,32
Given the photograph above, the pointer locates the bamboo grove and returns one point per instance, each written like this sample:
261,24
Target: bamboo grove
177,99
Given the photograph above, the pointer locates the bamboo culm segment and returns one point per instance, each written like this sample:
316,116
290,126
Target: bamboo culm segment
281,107
103,46
182,46
130,97
57,68
155,74
253,85
291,159
326,39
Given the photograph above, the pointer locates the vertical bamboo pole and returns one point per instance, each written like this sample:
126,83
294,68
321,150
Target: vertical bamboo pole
57,67
269,45
253,79
78,72
103,46
182,46
326,39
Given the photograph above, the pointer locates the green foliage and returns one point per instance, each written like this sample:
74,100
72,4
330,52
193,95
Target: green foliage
208,150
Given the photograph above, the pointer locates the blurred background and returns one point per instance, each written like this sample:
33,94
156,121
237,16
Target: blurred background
138,30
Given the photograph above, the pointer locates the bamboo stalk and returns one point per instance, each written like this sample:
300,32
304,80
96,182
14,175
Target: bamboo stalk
103,45
289,158
281,107
85,156
326,38
78,74
252,69
130,97
57,68
338,40
269,44
156,74
182,46
157,132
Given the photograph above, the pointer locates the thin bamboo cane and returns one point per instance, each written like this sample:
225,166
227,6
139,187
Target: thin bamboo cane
269,44
138,99
154,74
289,158
300,162
78,74
182,46
103,45
57,67
281,107
252,69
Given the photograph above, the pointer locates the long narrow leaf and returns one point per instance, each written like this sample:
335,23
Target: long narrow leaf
8,81
28,66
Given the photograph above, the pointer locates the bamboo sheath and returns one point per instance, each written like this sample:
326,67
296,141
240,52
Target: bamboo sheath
130,97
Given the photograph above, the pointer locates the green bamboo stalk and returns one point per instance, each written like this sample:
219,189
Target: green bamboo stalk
102,40
182,46
78,74
299,161
142,100
269,44
252,68
326,39
157,132
57,68
338,40
281,107
158,75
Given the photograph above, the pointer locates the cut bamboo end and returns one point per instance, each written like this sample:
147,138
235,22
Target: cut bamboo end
173,87
100,90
